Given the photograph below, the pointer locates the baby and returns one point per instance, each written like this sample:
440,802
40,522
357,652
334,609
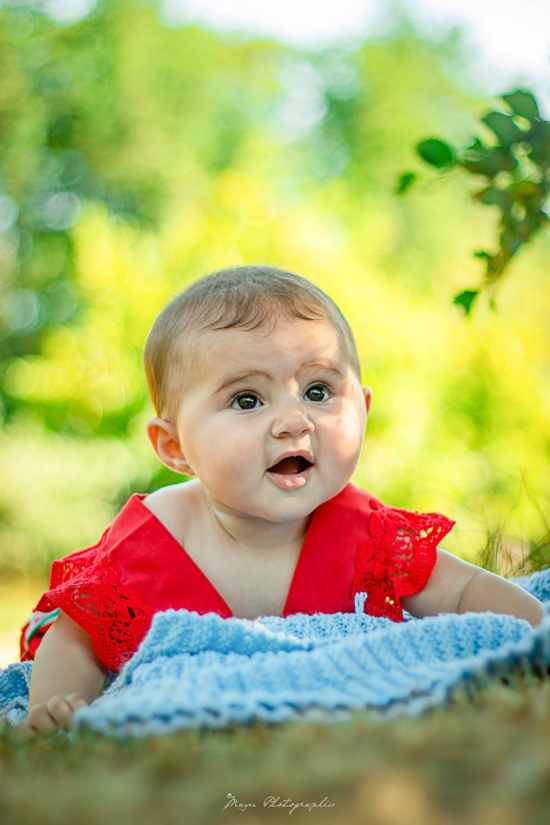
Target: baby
256,383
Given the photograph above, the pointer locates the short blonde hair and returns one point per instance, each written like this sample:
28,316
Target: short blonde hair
246,297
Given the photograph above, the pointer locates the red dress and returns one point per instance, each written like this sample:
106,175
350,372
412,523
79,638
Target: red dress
354,544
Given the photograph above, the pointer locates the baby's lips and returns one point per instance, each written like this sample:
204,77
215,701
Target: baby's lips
290,481
291,463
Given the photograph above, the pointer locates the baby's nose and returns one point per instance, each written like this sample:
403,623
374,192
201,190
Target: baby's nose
292,422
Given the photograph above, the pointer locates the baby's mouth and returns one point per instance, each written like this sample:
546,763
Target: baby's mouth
291,472
290,466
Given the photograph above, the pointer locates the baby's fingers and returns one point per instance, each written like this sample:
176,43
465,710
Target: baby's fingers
41,721
61,712
49,716
76,701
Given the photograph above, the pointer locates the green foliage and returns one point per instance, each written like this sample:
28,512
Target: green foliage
465,299
436,152
405,182
144,126
101,114
517,172
183,152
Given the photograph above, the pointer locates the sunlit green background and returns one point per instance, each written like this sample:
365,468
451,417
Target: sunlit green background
135,158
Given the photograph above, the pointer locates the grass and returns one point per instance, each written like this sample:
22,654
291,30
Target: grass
517,556
483,760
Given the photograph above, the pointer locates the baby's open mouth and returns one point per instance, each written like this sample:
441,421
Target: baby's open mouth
291,465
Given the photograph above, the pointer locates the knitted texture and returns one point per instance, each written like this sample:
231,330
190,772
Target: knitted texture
205,671
15,682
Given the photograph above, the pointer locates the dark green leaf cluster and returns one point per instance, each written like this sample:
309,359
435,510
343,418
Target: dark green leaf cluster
516,169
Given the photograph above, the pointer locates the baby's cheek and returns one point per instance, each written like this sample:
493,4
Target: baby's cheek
234,456
344,435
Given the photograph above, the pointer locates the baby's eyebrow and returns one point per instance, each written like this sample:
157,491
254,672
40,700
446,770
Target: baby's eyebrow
240,378
318,366
259,374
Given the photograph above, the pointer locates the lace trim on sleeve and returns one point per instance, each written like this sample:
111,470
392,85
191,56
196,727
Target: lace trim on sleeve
71,566
116,617
398,558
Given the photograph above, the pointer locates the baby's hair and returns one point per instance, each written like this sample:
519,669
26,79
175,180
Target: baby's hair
245,297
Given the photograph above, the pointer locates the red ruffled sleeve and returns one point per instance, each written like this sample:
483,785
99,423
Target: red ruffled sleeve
88,590
398,557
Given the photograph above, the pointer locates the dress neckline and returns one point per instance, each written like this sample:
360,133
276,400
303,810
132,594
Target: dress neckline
302,558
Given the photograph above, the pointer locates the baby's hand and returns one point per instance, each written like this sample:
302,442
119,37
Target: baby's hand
47,717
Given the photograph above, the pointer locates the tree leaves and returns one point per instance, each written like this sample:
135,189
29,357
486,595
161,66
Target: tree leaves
488,162
466,299
405,182
436,152
504,128
516,169
523,104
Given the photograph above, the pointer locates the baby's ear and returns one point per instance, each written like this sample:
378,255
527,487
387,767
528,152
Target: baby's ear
165,442
367,392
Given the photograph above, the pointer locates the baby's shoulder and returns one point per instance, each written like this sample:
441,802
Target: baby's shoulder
175,506
172,492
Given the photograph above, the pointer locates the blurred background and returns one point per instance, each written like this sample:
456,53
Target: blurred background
143,145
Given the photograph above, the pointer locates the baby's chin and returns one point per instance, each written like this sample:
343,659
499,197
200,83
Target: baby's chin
295,511
288,507
285,514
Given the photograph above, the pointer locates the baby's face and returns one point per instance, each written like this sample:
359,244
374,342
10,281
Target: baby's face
272,423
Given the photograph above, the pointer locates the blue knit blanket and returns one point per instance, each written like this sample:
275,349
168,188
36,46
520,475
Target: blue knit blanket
196,670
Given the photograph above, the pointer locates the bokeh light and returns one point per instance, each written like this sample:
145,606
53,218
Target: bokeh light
136,157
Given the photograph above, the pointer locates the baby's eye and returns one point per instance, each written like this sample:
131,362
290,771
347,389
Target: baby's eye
318,392
246,401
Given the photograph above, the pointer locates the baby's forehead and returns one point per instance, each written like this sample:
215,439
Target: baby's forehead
211,354
224,345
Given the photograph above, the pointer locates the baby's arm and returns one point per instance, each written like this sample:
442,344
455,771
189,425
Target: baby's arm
66,674
456,586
